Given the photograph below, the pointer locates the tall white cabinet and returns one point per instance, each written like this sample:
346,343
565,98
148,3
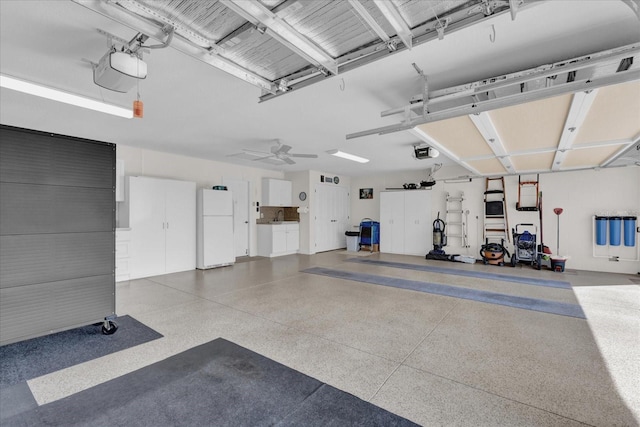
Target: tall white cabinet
405,222
161,214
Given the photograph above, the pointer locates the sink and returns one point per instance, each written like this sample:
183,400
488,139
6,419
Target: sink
283,222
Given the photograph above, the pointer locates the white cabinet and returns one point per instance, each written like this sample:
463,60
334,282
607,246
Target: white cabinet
276,192
161,214
278,239
405,222
123,240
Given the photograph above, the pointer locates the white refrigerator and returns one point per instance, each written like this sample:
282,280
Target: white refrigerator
214,226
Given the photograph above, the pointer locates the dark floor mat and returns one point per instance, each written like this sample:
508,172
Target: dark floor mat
32,358
218,383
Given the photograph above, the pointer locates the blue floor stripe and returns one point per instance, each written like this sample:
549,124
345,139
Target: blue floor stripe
545,306
467,273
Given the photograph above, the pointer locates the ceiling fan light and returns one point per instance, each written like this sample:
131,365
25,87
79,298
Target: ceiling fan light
347,156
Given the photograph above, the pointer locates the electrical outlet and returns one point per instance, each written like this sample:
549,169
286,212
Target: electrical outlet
614,258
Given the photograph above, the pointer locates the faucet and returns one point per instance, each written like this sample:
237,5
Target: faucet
280,211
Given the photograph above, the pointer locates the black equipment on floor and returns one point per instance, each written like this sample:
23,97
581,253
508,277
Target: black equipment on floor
439,239
525,246
493,253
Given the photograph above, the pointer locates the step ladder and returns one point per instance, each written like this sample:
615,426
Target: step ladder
496,222
529,190
456,218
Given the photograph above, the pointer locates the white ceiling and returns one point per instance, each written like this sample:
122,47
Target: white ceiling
196,110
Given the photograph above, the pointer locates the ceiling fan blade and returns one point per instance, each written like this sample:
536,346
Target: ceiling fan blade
308,156
256,152
284,148
288,161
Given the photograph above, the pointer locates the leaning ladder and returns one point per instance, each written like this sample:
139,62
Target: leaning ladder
456,218
496,222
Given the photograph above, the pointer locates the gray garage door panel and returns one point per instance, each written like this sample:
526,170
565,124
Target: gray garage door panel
36,158
57,232
34,209
34,310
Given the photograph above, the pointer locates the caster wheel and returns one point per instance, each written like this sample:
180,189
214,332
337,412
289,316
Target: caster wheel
113,327
501,264
513,260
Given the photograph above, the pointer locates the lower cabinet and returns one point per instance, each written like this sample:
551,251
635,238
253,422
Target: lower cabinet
278,239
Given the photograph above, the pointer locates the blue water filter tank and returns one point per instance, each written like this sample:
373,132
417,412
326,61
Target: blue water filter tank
629,230
615,227
601,230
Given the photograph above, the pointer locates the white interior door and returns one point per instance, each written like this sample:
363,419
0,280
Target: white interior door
241,208
332,217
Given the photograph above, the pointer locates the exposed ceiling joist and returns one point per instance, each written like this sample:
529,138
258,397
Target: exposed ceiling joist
364,14
392,15
205,54
283,32
580,106
488,130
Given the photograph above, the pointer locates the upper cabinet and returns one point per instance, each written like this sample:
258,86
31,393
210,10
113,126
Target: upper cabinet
276,192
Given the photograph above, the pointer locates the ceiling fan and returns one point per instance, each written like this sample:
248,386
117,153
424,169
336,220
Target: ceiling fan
279,154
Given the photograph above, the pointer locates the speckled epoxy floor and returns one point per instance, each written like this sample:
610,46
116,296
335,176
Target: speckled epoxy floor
433,359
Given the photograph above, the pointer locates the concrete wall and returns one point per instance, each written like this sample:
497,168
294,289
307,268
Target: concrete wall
581,194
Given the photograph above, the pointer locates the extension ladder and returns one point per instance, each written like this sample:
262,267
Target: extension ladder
456,218
496,221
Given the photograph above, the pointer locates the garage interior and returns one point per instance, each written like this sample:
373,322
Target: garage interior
441,99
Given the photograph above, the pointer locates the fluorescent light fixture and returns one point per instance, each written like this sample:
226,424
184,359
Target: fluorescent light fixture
348,156
60,96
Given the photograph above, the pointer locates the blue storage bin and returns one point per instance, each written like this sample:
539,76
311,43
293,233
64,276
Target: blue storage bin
369,233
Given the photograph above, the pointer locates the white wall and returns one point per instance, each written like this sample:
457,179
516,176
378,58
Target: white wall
205,173
581,194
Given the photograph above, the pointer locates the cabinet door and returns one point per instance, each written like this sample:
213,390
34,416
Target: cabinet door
284,193
293,238
392,222
180,214
279,242
417,222
147,222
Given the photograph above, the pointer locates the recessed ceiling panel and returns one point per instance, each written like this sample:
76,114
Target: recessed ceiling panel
459,136
488,166
533,162
533,125
589,157
614,115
